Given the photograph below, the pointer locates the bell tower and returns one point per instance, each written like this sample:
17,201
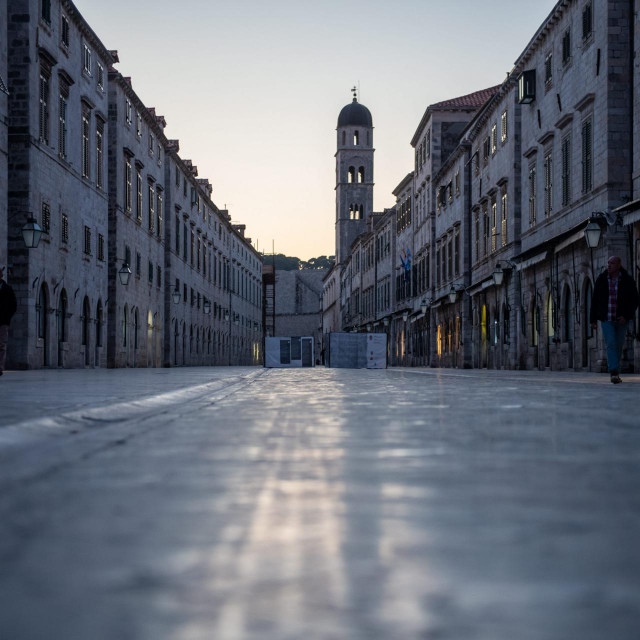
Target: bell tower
354,174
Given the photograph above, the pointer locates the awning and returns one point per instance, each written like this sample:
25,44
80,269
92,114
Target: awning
631,217
525,264
574,237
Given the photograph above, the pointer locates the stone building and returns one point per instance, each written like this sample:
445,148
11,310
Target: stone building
492,220
491,228
4,139
299,304
58,129
136,228
91,163
574,83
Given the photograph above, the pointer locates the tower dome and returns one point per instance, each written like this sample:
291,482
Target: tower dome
355,114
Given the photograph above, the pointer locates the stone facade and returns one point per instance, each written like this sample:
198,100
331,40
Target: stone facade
58,174
92,164
299,304
504,183
4,139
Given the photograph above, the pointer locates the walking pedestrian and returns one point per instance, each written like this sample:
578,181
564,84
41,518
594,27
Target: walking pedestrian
615,299
7,309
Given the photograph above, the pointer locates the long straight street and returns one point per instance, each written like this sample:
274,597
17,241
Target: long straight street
224,504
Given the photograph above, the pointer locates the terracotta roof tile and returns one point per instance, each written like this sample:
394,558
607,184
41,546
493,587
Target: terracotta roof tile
471,100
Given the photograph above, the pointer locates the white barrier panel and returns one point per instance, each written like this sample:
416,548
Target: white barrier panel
357,350
288,352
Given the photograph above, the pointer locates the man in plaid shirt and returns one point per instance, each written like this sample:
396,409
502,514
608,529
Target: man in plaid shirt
615,299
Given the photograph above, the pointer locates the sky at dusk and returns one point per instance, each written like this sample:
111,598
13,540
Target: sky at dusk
252,89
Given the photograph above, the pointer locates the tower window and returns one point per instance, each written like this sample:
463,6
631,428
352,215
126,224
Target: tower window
361,174
352,174
356,138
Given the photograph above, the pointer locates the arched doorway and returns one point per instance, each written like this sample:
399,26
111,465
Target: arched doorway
157,340
149,339
567,324
484,320
63,304
42,320
136,335
175,342
550,327
587,332
86,330
96,359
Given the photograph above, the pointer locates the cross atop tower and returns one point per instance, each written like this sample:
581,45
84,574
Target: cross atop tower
355,94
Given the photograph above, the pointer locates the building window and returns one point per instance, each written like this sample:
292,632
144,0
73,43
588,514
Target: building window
457,181
485,228
128,185
86,58
159,212
486,149
100,247
138,264
548,184
548,70
193,257
100,77
476,163
127,111
158,275
139,195
185,240
87,241
566,47
566,171
64,31
356,138
46,217
44,106
494,224
99,154
494,139
151,143
45,12
428,143
138,124
177,235
503,126
64,228
587,22
587,152
532,195
150,272
62,126
505,211
85,144
476,236
152,195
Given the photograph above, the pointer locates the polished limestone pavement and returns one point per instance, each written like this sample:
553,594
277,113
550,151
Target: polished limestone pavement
233,503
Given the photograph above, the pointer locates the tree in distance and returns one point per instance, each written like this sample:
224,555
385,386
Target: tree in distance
290,263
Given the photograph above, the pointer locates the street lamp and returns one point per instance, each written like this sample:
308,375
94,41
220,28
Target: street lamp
498,275
423,306
226,315
31,233
592,232
176,295
385,322
206,307
453,294
369,327
124,273
405,315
